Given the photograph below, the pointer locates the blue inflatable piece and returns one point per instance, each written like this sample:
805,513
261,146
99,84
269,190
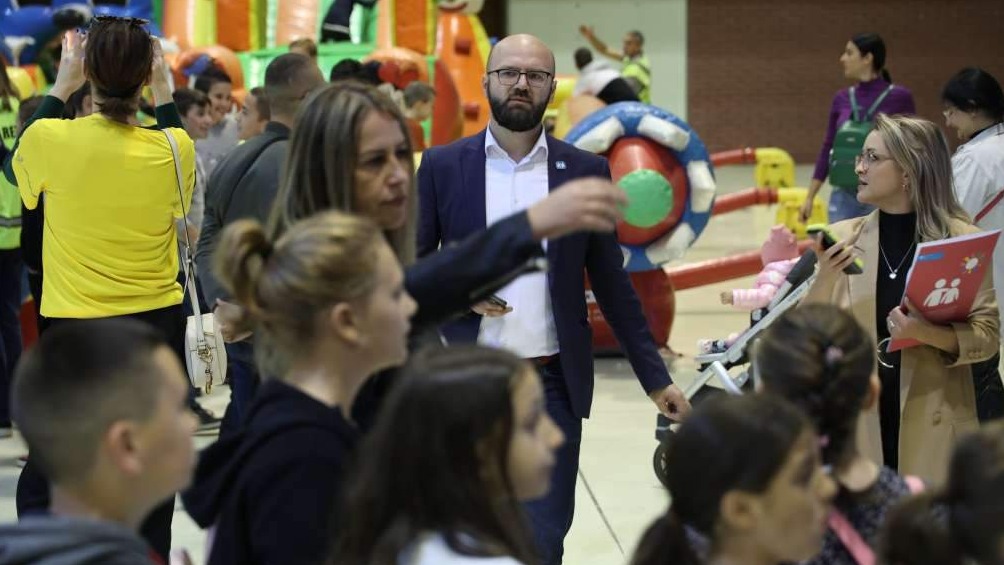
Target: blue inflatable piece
694,219
30,28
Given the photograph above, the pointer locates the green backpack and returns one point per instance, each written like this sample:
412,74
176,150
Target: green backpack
849,140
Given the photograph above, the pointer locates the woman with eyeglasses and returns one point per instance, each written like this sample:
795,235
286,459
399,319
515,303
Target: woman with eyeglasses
974,108
863,61
928,396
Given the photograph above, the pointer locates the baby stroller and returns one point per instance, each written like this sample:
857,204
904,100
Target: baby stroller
715,366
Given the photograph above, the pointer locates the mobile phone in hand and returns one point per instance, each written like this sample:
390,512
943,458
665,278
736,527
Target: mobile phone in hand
497,301
828,240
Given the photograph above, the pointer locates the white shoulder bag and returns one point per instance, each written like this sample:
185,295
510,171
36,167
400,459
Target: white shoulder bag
205,352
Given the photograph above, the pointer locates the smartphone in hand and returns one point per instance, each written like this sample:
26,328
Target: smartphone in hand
828,240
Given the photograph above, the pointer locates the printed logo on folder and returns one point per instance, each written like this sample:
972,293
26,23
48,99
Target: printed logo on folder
945,278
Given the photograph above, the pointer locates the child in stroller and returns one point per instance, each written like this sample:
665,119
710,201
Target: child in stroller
779,254
780,286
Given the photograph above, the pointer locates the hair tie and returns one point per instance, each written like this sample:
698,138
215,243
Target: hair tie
832,356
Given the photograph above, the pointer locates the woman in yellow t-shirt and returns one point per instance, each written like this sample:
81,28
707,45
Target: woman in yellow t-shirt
110,188
109,246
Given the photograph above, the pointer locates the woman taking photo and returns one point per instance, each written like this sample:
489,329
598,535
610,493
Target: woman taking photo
821,360
329,301
974,108
863,61
470,426
747,487
928,396
111,193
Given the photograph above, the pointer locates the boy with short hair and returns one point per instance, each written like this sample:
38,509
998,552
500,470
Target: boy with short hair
224,132
103,407
255,114
196,116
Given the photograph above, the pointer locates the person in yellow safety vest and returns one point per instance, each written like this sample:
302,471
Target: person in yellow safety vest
11,268
635,66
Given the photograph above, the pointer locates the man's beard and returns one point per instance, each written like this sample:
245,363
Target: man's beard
516,118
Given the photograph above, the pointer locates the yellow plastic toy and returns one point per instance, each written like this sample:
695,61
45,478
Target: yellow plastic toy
774,168
789,205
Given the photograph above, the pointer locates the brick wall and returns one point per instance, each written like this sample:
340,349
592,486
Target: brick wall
764,73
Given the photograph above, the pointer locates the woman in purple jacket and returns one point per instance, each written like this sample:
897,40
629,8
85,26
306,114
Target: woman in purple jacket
863,60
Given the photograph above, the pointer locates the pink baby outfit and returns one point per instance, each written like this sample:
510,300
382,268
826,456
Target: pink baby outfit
779,254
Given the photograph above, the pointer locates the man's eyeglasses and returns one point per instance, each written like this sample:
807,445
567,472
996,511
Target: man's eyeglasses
866,159
509,77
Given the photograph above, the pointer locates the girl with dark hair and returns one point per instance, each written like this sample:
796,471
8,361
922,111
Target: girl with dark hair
873,93
819,358
328,298
109,249
469,425
746,484
974,108
961,524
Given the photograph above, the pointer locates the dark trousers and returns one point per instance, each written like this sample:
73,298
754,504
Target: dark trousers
551,516
989,389
33,495
35,286
11,273
244,381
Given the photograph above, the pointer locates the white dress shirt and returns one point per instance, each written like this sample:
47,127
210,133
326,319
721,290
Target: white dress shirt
511,187
978,170
594,77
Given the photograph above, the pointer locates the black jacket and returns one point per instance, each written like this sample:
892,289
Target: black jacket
271,490
243,185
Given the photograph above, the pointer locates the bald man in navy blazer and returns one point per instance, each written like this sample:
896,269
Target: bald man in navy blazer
513,164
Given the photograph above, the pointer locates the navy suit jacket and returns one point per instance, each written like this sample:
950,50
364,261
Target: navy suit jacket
451,187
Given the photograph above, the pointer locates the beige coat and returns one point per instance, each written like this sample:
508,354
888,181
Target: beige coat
937,397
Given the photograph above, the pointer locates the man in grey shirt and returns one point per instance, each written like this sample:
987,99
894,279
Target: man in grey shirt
244,185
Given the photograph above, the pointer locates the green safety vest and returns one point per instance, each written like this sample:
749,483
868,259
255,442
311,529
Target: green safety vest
638,73
10,197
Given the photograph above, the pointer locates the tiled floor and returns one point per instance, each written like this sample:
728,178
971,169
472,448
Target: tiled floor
618,493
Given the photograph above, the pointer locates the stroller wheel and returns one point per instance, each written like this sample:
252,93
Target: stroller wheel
659,462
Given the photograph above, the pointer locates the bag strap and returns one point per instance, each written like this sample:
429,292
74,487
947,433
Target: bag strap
849,536
851,539
875,105
855,109
189,261
990,206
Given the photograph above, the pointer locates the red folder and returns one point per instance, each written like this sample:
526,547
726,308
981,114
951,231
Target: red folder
945,277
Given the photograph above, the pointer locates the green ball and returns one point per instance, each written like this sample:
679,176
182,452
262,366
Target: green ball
650,197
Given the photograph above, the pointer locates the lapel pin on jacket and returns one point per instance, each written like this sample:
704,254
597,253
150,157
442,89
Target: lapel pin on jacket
560,165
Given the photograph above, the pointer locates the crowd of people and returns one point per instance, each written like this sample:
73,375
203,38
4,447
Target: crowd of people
337,272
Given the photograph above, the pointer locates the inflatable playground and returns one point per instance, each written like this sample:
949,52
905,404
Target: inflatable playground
657,158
